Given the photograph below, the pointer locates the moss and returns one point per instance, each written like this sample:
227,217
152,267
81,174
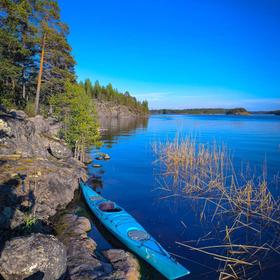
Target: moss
10,157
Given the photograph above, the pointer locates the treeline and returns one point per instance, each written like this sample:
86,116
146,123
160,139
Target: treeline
202,111
275,112
37,72
108,93
36,61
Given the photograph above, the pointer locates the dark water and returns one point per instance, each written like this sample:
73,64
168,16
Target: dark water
128,178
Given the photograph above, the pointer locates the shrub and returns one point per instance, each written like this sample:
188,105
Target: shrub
76,110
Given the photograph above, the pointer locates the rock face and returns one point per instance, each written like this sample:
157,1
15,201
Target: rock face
38,176
29,137
107,109
36,255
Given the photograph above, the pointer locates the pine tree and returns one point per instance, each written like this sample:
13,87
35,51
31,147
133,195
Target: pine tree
33,50
17,49
56,62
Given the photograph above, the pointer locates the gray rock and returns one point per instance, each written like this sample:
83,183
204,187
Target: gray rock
82,262
40,123
55,126
38,253
125,265
4,127
103,156
106,156
30,137
59,150
49,186
18,114
87,159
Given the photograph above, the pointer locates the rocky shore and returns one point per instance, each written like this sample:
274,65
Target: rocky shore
38,178
110,110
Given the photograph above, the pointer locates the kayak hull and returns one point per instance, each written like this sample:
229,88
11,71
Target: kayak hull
121,225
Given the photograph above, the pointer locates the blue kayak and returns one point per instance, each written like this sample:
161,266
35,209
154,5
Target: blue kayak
125,228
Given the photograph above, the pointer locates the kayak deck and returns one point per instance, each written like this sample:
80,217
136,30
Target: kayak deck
125,228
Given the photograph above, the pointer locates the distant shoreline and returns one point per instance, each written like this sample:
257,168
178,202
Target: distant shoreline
213,111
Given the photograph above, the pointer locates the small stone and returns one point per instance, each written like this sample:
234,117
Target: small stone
87,159
106,156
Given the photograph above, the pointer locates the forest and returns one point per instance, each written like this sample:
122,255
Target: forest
108,93
36,60
37,72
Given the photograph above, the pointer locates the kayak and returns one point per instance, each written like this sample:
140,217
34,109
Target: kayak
125,228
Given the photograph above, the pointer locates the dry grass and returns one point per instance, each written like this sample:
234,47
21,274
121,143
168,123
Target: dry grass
242,205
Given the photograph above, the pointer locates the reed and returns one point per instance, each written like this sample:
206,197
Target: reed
240,203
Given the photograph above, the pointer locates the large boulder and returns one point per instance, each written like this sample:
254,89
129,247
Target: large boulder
59,150
38,254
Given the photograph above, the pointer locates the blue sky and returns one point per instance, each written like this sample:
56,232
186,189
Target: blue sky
180,53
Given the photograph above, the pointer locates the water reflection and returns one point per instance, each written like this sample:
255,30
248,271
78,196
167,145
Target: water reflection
110,128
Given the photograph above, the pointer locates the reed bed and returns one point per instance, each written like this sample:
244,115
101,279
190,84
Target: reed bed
243,212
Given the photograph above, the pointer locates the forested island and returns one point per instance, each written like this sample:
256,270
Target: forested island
212,111
275,112
203,111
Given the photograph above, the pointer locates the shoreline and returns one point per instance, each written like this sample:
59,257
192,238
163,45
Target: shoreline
39,177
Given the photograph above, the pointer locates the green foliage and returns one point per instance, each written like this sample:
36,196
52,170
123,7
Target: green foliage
108,93
30,109
23,23
58,61
29,221
237,111
201,111
76,110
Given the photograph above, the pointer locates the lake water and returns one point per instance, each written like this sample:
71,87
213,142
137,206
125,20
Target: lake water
128,178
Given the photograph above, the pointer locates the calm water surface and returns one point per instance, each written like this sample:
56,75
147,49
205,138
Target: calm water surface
129,177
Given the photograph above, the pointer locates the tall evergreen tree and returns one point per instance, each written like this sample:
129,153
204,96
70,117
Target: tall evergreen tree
17,49
56,62
33,51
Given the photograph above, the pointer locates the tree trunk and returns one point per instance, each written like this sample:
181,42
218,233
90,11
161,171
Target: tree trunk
40,75
23,91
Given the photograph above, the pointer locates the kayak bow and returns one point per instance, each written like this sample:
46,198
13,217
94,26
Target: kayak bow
125,228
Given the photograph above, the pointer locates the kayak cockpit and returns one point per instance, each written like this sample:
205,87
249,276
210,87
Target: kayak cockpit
138,235
95,198
109,206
